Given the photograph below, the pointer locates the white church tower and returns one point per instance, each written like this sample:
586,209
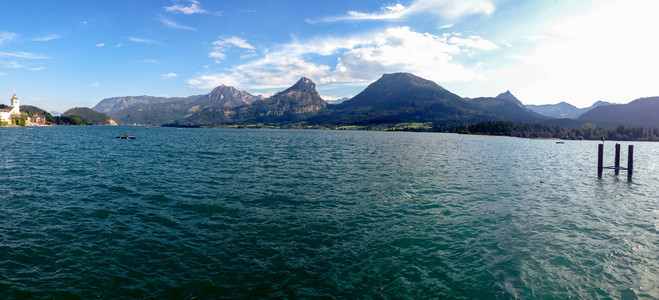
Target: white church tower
15,106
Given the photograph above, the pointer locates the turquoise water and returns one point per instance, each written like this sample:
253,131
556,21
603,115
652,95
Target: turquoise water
220,213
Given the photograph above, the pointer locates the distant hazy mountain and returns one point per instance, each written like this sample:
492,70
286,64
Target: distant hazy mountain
337,101
90,116
159,110
643,112
116,104
293,104
563,110
508,108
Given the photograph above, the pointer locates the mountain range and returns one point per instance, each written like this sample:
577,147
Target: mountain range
563,110
394,98
643,112
160,110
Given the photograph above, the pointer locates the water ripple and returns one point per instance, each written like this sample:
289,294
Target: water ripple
208,213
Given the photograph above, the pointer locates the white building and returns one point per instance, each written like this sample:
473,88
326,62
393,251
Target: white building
5,113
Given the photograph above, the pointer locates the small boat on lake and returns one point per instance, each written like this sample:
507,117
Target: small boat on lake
126,137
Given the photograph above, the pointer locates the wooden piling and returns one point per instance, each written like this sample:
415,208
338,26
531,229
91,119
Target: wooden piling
616,167
600,158
630,162
617,161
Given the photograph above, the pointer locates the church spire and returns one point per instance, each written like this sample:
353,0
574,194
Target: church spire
15,104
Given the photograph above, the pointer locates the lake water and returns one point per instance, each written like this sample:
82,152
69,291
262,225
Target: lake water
221,213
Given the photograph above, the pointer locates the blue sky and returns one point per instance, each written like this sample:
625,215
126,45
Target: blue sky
61,54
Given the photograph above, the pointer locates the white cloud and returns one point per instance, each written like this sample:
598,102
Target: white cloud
536,37
37,69
11,65
193,8
171,24
119,45
360,58
209,81
141,40
95,84
474,42
233,41
608,53
46,38
222,45
26,55
150,61
169,75
100,45
449,10
6,37
217,54
400,49
276,70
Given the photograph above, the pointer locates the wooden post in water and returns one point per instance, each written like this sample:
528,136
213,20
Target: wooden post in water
617,161
600,158
616,167
630,162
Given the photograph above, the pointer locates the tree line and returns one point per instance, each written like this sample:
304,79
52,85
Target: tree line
586,132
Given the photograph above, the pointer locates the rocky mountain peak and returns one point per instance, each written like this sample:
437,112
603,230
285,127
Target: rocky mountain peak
304,85
508,96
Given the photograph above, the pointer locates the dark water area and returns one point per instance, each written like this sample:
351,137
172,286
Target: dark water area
221,213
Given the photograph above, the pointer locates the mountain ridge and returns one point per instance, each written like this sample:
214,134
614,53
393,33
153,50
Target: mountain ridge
563,109
394,98
290,105
642,112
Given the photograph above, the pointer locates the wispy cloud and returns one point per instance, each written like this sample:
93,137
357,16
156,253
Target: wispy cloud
448,10
389,12
223,44
171,24
11,65
193,8
95,84
141,40
37,69
169,75
46,38
233,41
6,37
100,45
150,61
473,42
119,45
26,55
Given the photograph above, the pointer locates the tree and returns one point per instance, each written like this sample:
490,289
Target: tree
19,119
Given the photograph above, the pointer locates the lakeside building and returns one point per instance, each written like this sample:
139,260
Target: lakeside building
36,120
7,112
